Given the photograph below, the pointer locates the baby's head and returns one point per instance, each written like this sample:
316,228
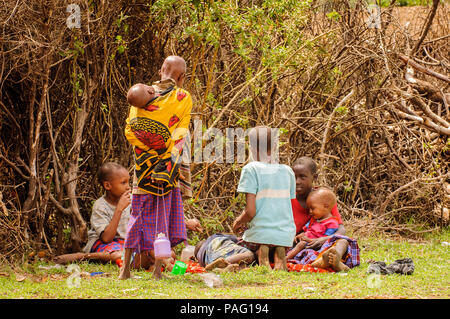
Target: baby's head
261,146
140,94
114,178
320,202
305,170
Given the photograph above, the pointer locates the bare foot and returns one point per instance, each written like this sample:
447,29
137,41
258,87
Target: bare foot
232,268
263,256
280,259
168,263
218,263
157,273
124,273
229,268
320,263
68,258
334,260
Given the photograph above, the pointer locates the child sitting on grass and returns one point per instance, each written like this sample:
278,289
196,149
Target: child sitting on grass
322,223
305,170
334,251
222,251
109,219
268,188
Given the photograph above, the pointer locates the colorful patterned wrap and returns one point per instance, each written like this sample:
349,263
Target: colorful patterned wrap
351,259
157,133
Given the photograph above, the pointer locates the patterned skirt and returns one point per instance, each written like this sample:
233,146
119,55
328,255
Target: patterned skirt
115,245
351,258
151,215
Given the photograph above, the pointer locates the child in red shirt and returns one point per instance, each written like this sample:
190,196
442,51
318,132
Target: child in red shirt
322,223
305,170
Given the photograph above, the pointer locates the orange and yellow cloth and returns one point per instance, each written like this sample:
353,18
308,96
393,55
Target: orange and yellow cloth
157,133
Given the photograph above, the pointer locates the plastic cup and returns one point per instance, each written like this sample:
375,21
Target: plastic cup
179,268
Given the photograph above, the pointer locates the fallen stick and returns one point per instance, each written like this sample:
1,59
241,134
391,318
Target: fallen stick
421,68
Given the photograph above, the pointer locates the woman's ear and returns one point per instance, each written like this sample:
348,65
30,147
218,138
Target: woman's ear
180,80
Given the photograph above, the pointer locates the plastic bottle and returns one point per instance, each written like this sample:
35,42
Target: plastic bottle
162,247
187,253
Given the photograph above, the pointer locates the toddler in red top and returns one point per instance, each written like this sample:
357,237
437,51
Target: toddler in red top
321,228
322,223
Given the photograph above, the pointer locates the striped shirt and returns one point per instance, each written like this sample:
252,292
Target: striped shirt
274,187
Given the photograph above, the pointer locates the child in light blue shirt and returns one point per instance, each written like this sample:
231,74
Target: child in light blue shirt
269,188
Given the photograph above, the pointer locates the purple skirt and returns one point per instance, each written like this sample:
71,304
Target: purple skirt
151,215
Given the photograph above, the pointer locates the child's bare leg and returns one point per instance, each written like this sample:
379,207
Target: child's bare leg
263,256
280,258
332,257
125,269
157,272
100,256
294,251
113,256
104,256
218,263
335,254
68,258
245,258
229,268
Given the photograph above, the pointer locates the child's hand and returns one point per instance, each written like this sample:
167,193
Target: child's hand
124,200
194,224
237,226
316,243
299,237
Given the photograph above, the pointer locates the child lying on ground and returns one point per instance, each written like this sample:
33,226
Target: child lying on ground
268,188
322,223
222,251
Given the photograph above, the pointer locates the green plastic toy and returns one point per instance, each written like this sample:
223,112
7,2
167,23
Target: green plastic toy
179,268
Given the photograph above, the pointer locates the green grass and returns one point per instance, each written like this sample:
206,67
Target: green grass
430,279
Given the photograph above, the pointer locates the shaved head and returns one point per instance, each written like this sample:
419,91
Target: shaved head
139,94
174,67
